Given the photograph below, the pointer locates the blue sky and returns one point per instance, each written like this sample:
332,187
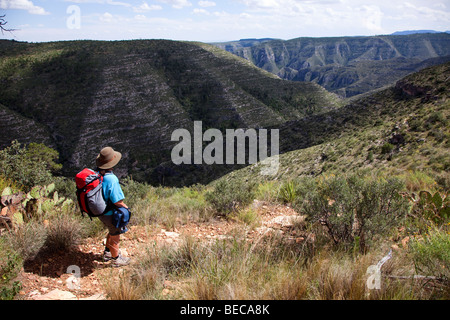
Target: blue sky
214,20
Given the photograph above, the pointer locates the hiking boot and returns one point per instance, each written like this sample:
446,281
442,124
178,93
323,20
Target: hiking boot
120,261
107,255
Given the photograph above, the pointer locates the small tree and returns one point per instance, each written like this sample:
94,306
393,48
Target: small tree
39,152
355,209
17,165
228,197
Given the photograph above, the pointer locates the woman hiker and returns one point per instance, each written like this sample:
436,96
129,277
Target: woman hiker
106,160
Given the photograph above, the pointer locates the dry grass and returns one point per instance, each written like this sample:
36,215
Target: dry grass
269,270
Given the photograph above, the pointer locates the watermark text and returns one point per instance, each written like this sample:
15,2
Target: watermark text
239,147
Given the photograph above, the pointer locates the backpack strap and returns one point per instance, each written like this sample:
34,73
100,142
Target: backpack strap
109,205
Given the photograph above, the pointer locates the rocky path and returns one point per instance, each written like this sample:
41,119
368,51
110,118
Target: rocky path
49,277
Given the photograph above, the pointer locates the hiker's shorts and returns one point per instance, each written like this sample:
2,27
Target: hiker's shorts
107,221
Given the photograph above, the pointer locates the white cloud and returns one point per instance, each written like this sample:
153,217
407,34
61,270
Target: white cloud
440,5
110,2
285,19
177,4
263,4
140,17
146,7
23,5
427,12
106,17
206,4
371,17
200,11
348,17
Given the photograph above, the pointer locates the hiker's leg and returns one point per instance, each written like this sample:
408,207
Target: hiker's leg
106,246
112,239
112,243
117,259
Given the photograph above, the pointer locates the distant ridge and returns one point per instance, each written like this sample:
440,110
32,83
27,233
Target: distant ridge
256,39
241,43
407,32
347,66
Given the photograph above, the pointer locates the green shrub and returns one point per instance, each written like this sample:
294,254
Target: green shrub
5,183
387,148
183,205
170,206
38,152
354,208
431,255
248,216
134,191
418,180
268,191
228,197
436,117
25,169
65,187
10,265
288,192
438,134
415,125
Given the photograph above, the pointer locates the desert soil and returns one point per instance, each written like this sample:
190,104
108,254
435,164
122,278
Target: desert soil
48,277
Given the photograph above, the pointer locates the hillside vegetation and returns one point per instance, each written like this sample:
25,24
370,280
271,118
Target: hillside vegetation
79,96
347,66
402,128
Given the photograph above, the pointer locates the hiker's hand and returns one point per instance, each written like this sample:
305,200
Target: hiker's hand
120,204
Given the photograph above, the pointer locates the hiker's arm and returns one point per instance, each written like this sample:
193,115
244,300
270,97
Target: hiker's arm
120,204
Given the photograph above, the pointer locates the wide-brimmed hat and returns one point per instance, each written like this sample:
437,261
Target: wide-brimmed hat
108,158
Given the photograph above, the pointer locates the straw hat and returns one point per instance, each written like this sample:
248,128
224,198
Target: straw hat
108,158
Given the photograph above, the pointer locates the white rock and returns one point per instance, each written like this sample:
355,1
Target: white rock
56,295
171,234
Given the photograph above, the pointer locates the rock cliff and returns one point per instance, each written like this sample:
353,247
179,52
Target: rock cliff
347,66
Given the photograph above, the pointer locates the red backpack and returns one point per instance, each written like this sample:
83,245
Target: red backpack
90,193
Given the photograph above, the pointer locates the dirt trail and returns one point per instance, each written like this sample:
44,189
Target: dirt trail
47,277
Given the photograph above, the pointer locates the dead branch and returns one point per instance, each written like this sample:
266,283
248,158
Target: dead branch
3,23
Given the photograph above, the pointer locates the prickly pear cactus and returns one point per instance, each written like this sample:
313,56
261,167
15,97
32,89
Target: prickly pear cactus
39,201
11,214
6,192
433,207
17,218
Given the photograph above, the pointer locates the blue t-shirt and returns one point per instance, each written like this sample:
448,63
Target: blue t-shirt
111,189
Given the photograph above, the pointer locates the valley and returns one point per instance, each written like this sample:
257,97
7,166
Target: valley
363,169
347,66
